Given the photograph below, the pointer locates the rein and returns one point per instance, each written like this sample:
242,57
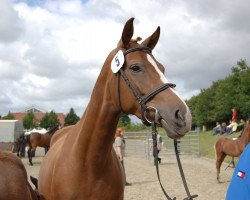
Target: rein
143,101
154,137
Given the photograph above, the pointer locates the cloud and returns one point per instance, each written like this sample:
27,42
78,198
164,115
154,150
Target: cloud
10,24
51,52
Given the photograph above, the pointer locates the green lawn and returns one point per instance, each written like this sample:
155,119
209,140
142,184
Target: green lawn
207,142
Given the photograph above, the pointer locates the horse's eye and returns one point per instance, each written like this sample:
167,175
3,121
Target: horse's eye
135,68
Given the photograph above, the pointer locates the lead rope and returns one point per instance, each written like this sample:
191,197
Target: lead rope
189,196
154,137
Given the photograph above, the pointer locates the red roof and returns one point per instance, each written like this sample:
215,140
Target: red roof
38,116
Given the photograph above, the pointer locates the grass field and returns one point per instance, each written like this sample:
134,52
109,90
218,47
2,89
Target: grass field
207,142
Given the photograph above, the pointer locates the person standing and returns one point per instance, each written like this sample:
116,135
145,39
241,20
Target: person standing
234,115
120,145
159,148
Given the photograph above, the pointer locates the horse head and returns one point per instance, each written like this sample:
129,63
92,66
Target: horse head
143,89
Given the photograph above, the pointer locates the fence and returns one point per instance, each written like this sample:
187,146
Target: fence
140,144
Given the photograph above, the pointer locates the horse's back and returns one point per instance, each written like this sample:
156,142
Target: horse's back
34,137
38,139
228,146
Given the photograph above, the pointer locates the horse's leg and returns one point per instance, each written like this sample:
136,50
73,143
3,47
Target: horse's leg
233,164
30,156
220,157
31,152
18,151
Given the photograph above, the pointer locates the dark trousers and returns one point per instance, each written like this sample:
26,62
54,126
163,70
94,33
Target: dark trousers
122,163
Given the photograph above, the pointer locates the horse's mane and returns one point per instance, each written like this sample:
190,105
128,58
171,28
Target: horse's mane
245,129
136,40
53,129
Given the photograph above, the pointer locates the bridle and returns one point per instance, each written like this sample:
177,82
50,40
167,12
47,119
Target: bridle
142,100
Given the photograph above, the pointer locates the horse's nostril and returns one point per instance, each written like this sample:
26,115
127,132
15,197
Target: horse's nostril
177,114
180,118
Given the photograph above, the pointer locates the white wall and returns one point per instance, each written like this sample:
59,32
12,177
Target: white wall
10,130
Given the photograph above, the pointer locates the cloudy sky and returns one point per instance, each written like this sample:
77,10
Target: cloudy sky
51,52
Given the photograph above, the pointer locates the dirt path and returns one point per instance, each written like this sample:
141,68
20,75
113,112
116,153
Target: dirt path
200,174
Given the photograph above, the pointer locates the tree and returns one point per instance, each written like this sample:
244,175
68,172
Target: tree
8,117
49,120
71,118
215,103
124,120
44,123
29,121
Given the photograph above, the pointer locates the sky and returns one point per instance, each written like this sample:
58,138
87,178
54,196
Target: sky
51,51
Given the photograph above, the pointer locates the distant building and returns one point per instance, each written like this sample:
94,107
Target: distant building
10,130
39,113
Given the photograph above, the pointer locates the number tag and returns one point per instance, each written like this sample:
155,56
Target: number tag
117,61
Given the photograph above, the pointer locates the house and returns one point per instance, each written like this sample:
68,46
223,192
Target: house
39,113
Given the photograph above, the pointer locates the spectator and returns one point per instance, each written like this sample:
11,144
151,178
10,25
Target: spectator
223,128
232,127
241,125
217,129
120,145
234,115
159,148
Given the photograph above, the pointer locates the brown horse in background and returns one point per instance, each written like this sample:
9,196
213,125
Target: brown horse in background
14,184
230,147
35,140
81,162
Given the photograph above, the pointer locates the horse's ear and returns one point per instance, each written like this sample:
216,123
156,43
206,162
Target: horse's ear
152,40
127,33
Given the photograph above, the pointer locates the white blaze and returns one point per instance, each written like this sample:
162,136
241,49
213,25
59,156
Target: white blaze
161,75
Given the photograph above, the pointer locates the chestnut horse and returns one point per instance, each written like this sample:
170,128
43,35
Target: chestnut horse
35,140
230,147
81,162
14,184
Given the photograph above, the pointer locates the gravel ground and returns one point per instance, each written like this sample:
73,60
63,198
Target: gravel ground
200,175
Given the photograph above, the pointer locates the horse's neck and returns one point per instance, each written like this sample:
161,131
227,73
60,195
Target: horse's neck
96,129
245,138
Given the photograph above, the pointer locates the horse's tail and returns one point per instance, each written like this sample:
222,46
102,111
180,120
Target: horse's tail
29,143
215,152
28,140
216,148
